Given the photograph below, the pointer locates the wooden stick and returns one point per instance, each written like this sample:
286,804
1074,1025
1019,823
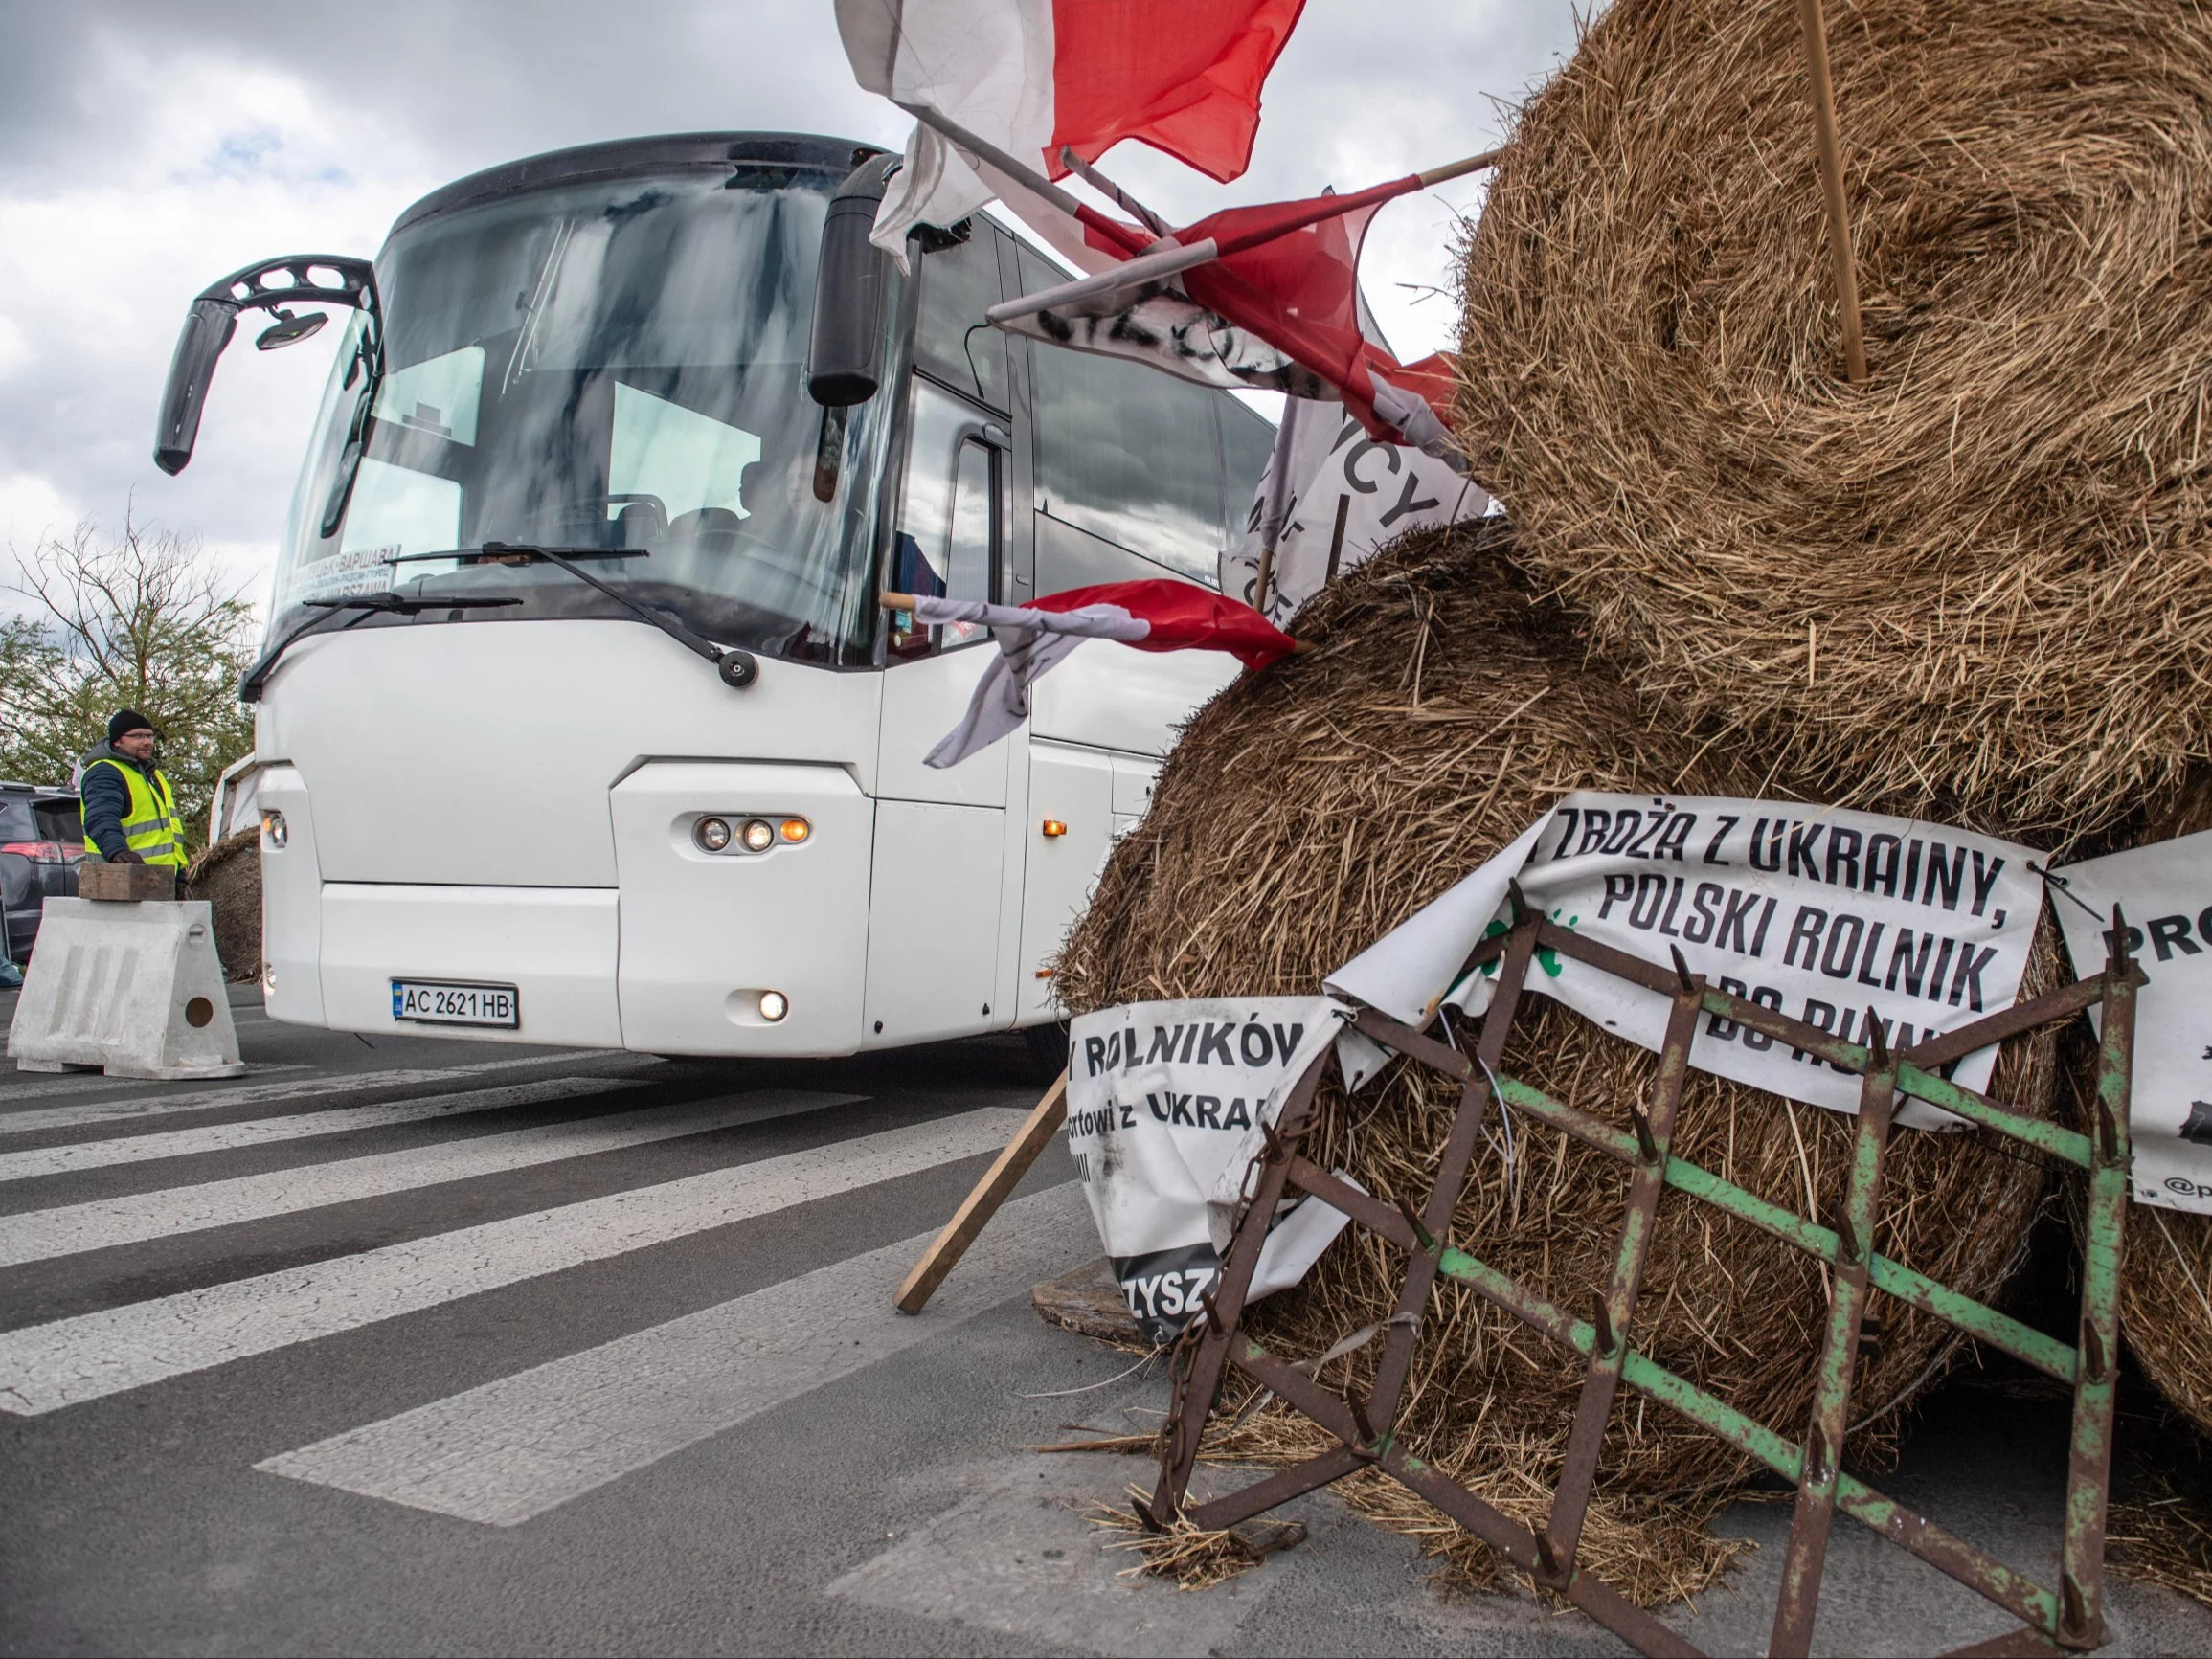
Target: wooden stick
948,1248
1474,164
1337,536
1832,186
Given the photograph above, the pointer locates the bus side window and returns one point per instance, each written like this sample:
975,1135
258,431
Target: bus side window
948,529
1132,455
953,344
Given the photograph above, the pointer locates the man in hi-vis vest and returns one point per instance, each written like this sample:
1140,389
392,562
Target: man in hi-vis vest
129,810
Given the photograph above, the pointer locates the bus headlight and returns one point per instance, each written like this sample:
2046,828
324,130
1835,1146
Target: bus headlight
712,834
774,1006
273,827
759,834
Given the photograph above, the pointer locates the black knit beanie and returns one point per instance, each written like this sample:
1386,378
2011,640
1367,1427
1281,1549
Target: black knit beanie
127,720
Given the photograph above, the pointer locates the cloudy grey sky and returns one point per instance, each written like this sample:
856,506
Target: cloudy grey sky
146,149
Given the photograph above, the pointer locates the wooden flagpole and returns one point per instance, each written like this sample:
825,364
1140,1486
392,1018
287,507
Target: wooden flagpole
1832,188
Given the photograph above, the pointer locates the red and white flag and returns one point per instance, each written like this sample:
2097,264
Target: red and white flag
1152,615
1034,76
1274,305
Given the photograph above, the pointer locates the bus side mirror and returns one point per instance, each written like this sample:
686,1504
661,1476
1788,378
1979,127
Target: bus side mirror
207,330
849,287
268,286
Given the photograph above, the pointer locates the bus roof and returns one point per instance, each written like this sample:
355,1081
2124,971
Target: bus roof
617,158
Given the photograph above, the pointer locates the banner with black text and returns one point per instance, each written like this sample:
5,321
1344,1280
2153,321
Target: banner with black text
1840,919
2164,892
1166,1104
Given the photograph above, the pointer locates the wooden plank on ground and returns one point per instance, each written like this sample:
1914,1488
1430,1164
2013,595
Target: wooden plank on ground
998,1182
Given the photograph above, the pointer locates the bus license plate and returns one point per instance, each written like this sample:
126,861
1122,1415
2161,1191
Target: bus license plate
450,1003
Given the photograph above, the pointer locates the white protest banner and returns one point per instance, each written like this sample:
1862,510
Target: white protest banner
2164,892
1166,1104
1392,488
1836,918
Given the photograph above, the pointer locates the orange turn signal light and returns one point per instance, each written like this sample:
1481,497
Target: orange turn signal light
795,830
1054,827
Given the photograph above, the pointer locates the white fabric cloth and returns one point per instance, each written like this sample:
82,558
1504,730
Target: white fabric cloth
987,64
1030,642
1392,488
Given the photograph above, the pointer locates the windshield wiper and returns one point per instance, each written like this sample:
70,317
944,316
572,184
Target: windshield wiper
737,668
362,606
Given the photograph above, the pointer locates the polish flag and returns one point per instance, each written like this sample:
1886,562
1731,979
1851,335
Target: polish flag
1034,76
1152,615
1281,276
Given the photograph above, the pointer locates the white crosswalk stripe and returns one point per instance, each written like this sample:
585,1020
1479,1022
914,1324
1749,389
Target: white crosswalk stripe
11,1092
46,1367
93,1154
40,1235
258,1094
526,1444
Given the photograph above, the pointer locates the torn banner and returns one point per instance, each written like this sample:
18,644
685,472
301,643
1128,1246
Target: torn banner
1833,917
2164,892
1165,1107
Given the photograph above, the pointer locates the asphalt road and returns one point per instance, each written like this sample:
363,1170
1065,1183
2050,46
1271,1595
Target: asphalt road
417,1346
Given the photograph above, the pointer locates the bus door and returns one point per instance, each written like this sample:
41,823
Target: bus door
936,900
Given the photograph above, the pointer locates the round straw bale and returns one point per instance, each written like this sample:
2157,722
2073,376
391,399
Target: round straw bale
228,875
1973,586
1307,811
2166,1277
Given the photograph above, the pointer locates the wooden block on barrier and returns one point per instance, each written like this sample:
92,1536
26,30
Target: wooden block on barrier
114,883
1089,1302
980,1205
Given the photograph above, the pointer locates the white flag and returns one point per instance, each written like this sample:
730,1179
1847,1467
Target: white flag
1392,489
1030,642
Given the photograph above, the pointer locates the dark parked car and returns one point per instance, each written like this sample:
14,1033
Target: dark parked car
41,843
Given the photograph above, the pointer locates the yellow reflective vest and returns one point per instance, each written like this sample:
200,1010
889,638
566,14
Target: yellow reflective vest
150,827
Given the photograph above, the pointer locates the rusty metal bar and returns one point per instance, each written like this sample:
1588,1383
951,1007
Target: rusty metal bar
1365,1208
1941,1549
2071,1617
1518,1545
1915,1075
1808,1550
1179,1454
1617,1308
1397,1357
2088,1474
1984,1324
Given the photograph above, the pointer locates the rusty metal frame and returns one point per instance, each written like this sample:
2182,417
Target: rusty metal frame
1365,1424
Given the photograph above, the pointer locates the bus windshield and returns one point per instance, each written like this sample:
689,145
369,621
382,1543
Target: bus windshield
615,366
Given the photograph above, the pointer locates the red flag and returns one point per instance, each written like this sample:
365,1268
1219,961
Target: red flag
1179,616
1289,274
1182,74
1033,76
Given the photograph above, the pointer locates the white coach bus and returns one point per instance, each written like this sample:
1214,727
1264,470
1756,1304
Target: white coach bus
579,722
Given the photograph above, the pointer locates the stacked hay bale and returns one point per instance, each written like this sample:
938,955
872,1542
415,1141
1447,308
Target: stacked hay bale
1973,586
1305,813
228,875
1970,590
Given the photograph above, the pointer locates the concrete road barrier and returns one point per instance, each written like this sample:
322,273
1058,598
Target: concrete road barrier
132,988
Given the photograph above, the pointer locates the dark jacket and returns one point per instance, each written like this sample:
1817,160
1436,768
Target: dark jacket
107,798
